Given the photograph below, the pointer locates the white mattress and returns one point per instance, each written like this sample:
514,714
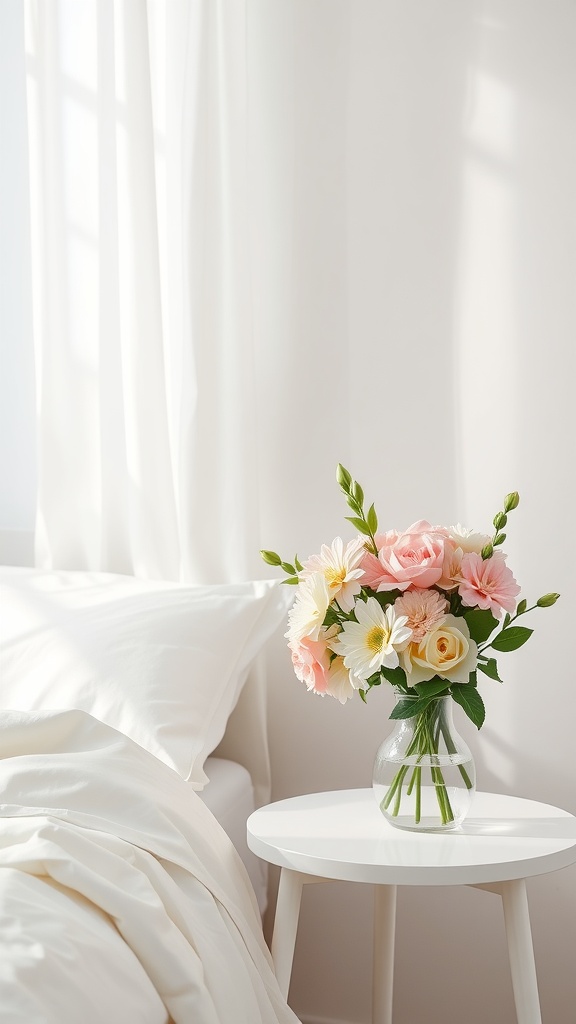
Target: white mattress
230,797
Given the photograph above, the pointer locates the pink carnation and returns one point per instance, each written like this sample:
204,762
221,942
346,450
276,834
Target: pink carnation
311,661
487,583
414,558
424,610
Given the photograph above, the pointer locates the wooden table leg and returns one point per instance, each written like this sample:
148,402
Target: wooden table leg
520,951
286,926
383,959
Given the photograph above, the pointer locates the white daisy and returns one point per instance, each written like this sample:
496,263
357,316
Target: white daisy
308,612
374,640
340,567
341,683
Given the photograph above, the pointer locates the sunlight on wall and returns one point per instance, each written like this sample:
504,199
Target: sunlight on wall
486,365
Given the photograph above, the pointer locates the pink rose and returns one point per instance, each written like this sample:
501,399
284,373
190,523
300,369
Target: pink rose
370,564
311,661
414,558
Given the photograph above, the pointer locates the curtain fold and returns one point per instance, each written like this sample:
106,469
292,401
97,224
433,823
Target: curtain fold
142,299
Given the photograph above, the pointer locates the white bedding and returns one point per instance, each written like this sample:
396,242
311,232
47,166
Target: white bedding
121,898
230,796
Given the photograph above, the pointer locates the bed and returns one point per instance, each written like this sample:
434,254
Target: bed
229,795
132,748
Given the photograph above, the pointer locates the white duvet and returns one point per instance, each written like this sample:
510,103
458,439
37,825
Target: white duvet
122,901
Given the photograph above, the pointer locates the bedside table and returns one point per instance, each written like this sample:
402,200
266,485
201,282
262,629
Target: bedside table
342,835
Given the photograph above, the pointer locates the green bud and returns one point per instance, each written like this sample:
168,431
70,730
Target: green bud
487,551
547,600
500,538
343,477
511,501
500,520
271,557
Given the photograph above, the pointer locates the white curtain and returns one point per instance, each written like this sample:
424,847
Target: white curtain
142,302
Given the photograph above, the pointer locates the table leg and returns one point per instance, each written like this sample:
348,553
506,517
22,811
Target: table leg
383,959
286,926
521,952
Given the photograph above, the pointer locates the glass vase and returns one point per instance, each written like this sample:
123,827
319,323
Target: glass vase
424,777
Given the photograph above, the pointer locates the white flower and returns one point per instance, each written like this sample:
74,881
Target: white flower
308,612
340,568
374,640
467,540
341,683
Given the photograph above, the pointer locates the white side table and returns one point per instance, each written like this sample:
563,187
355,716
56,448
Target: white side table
343,835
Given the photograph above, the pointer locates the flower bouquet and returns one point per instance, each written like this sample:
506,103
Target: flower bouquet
424,610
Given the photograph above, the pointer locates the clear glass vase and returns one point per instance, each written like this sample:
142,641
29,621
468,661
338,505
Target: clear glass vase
424,777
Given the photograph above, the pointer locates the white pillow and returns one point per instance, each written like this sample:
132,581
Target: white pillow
164,663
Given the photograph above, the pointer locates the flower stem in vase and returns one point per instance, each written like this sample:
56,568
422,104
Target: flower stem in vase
423,771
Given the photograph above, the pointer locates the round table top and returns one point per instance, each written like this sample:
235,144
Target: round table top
343,835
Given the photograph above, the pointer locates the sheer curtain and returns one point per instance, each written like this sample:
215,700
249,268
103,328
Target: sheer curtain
142,312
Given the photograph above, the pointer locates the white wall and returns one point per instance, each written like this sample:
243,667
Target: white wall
415,248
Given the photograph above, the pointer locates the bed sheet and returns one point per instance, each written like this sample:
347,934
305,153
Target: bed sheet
121,897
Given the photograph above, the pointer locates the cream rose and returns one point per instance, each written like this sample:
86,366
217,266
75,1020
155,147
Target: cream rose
446,651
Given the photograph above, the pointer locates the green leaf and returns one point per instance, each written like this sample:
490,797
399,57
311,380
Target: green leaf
331,618
292,580
363,695
358,493
490,669
511,639
431,687
470,700
409,708
396,676
343,477
271,557
507,617
359,524
353,504
372,519
298,564
481,623
522,606
288,568
384,597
